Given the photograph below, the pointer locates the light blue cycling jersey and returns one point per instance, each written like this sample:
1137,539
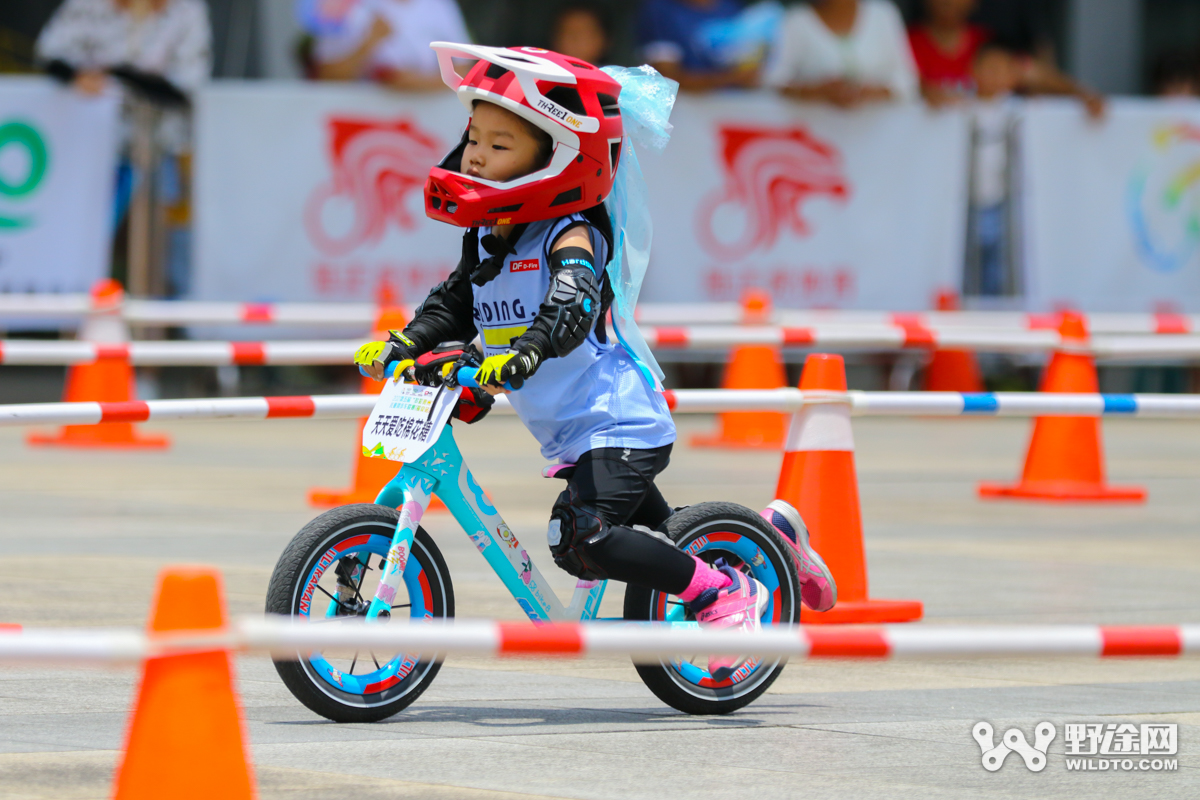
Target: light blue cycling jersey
595,396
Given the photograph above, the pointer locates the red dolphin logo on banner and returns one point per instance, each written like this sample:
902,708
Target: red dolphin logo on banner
769,172
375,164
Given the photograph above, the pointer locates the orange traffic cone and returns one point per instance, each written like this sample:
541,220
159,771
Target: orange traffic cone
952,370
751,367
1065,460
185,738
370,474
108,379
818,478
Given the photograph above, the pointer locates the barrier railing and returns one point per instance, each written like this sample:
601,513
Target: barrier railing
711,337
186,670
181,312
644,642
680,401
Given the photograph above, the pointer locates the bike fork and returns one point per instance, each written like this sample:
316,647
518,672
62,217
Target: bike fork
416,491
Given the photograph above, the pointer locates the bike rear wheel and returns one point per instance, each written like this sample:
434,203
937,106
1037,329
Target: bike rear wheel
748,543
355,686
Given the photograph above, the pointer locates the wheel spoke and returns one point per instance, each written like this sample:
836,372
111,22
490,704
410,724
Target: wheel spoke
376,661
340,604
403,605
352,663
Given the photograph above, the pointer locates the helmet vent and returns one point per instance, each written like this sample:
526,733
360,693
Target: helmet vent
569,196
451,208
495,72
506,209
580,65
568,98
614,154
436,202
609,105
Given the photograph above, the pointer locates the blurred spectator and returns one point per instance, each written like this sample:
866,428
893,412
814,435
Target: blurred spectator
669,32
844,52
1022,28
160,52
387,41
944,45
1176,74
581,30
165,38
996,74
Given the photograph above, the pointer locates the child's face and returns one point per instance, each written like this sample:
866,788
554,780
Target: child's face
579,34
499,145
996,73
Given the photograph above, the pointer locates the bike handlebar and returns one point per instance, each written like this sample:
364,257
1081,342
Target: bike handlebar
467,377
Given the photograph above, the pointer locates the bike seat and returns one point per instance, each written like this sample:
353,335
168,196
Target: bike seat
564,471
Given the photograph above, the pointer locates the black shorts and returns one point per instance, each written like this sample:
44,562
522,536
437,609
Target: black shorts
619,483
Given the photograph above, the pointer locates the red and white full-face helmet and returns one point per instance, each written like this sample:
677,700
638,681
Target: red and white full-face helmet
572,101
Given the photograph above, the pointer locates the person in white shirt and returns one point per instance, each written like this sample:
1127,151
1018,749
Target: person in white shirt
388,41
844,52
169,38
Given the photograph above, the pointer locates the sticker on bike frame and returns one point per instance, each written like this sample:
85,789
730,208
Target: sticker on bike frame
407,420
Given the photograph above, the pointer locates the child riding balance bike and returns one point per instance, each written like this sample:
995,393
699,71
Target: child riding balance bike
544,260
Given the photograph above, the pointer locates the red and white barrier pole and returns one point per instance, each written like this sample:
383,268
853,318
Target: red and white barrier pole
284,637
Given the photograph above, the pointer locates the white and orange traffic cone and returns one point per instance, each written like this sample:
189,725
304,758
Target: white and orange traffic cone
186,737
952,369
108,379
818,478
751,367
1065,460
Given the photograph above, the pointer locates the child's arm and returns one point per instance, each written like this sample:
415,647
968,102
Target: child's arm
446,315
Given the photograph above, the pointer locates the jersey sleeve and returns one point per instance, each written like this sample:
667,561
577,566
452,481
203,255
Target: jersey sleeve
446,315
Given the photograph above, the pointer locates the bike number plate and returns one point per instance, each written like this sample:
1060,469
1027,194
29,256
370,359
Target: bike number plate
407,420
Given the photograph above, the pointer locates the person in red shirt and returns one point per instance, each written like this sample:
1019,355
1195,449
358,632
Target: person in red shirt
944,45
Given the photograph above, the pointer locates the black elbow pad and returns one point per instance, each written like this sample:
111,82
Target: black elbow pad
572,303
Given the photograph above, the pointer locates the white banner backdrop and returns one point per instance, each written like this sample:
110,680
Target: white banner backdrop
823,208
1112,209
314,192
57,170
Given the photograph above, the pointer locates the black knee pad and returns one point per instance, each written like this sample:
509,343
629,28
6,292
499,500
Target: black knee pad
575,527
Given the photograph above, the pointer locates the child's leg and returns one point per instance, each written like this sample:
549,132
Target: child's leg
591,537
590,533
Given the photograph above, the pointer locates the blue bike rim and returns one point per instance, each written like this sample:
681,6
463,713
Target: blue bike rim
755,562
376,684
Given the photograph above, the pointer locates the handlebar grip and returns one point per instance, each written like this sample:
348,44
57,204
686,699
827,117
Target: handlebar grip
466,377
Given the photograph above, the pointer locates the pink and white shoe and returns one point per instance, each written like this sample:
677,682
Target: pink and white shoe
740,606
817,588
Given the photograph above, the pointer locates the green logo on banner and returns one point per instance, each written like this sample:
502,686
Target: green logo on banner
19,135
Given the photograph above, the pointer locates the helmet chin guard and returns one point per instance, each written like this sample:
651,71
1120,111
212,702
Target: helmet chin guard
571,100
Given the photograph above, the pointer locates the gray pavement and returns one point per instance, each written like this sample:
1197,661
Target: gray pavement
82,535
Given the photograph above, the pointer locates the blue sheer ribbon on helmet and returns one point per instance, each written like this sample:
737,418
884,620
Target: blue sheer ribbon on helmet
646,100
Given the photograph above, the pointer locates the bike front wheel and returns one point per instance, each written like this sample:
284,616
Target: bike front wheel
747,543
328,574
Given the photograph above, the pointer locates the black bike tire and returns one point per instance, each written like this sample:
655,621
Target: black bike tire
283,594
683,527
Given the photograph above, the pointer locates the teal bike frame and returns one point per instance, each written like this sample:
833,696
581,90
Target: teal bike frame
441,470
